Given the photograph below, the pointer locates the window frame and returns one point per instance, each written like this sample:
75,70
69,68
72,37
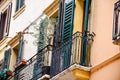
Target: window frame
116,31
19,4
5,21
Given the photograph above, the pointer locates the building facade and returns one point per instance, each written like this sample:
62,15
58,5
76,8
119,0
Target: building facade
59,40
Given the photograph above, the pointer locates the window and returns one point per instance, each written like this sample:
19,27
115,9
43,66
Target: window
19,4
116,21
5,21
7,55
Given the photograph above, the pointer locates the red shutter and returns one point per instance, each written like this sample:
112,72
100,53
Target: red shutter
8,19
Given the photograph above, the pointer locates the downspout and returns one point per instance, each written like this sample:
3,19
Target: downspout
85,31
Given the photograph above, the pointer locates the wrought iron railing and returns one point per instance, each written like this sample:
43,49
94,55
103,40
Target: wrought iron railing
66,54
52,59
35,65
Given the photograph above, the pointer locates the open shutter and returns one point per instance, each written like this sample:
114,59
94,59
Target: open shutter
68,21
20,50
7,58
1,30
116,23
8,19
0,19
67,32
1,26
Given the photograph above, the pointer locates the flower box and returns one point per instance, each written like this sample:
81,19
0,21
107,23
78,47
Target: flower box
20,64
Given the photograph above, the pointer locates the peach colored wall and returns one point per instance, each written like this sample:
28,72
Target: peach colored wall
109,72
101,23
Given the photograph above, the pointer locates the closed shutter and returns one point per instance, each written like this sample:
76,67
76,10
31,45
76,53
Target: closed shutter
7,58
8,19
20,50
67,32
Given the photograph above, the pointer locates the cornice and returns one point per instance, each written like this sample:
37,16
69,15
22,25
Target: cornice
52,7
14,41
105,63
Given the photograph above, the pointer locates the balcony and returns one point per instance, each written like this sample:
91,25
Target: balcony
56,63
35,68
66,60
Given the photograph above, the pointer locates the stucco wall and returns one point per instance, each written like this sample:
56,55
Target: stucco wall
101,24
109,72
33,9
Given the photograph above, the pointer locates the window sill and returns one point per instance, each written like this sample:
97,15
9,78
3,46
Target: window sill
20,11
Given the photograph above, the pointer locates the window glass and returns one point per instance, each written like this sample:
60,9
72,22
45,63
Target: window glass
19,4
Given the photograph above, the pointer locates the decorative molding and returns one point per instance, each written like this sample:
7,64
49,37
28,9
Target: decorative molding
3,41
3,2
52,7
14,41
20,11
83,70
105,63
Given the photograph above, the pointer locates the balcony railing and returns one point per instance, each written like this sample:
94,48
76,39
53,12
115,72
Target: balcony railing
52,60
66,55
35,67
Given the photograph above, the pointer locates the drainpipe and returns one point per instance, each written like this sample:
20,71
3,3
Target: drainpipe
85,30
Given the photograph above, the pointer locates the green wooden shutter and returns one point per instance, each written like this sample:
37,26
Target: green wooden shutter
8,19
7,58
68,21
20,50
67,32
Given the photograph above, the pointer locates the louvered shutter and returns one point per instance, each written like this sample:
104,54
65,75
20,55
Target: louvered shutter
20,50
67,32
7,58
8,19
68,21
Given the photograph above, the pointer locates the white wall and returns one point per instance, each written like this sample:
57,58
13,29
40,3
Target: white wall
33,9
